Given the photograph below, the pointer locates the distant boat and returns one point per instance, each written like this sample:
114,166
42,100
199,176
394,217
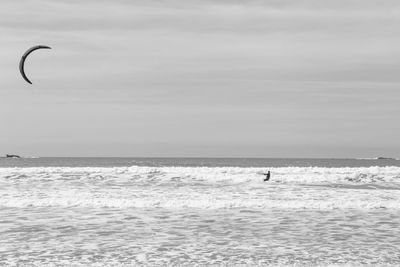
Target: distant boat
384,158
12,156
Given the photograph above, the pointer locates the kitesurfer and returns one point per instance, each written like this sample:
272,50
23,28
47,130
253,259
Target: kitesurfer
267,176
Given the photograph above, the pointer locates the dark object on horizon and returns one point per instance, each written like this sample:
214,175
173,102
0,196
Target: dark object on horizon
267,176
383,158
12,156
22,61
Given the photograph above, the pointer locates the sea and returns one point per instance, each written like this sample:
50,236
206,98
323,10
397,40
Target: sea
199,212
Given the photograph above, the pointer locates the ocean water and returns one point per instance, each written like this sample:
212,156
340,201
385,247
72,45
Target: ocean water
188,212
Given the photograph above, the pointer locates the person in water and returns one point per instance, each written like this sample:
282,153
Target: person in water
267,176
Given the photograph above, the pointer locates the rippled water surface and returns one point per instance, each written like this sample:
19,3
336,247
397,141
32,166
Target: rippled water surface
157,215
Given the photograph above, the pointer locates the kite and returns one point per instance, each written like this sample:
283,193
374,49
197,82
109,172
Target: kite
22,62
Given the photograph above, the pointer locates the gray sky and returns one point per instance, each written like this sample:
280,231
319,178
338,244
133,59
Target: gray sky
299,78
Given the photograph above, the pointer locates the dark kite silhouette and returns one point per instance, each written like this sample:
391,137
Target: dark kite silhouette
22,62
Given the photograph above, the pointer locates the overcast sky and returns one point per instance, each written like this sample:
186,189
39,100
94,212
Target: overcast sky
299,78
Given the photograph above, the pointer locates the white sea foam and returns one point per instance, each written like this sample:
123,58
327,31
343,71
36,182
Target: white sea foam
204,202
389,176
202,188
293,175
172,216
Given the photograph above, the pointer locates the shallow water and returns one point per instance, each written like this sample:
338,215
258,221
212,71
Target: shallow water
304,216
190,236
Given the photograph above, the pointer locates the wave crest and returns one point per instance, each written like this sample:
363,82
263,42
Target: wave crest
139,174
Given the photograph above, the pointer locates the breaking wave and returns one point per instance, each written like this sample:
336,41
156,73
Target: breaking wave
201,188
139,174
